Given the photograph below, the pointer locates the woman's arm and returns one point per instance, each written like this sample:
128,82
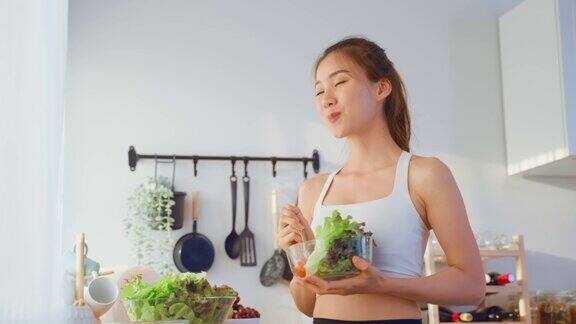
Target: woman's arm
304,298
462,282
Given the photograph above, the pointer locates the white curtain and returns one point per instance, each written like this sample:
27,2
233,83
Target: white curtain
32,66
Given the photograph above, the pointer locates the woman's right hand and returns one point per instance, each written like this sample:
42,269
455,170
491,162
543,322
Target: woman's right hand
293,227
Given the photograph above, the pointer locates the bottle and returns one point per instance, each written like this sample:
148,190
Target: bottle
497,279
478,315
466,317
489,314
511,316
447,315
495,314
472,316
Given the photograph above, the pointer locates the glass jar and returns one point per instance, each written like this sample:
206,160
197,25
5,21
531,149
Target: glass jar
553,307
546,308
565,308
572,307
562,307
535,300
486,240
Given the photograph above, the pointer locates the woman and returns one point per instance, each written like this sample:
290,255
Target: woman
401,197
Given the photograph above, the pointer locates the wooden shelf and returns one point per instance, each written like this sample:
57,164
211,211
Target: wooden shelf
503,322
440,257
435,255
499,253
510,288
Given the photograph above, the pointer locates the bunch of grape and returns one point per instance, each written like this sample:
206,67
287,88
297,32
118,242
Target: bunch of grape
243,312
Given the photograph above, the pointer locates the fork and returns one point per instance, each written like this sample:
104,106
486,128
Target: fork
247,244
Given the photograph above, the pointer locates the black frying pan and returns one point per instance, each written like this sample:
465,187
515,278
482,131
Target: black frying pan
193,252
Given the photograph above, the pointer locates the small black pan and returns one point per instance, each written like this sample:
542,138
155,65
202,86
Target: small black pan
193,252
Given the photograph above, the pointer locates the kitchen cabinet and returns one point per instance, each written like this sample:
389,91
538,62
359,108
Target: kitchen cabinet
538,65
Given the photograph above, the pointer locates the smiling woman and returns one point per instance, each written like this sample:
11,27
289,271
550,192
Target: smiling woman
358,68
399,196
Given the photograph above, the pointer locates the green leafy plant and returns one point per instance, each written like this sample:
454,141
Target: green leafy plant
148,224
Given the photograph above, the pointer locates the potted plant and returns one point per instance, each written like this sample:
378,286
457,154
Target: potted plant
149,222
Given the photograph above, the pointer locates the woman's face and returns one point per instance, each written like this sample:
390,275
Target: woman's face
346,100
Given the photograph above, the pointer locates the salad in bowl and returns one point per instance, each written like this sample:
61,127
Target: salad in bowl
329,255
178,296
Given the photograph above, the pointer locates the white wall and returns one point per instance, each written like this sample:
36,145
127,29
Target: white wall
183,77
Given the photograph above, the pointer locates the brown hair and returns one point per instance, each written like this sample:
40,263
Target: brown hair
373,60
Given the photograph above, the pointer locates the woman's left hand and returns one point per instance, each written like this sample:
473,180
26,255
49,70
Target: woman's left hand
369,281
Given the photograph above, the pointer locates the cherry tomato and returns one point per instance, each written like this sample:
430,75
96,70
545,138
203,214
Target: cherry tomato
300,270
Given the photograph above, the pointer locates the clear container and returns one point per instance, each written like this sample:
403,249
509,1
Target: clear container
486,240
562,307
535,308
572,306
546,307
211,310
336,261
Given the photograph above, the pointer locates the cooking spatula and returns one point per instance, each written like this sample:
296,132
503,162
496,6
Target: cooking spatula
247,244
273,268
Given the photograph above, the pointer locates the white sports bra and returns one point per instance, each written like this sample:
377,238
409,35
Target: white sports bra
398,231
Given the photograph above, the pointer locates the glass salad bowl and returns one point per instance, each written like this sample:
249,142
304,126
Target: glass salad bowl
329,260
198,310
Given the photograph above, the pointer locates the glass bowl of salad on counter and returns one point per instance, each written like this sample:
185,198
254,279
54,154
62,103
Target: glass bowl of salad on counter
329,255
178,296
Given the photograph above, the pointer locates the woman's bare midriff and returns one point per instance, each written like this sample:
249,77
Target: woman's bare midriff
365,307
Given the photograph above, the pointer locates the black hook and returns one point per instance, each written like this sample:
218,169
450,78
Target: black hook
316,161
245,167
132,158
195,159
305,171
155,167
173,170
233,160
274,167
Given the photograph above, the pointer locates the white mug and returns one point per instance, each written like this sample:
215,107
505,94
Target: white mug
100,295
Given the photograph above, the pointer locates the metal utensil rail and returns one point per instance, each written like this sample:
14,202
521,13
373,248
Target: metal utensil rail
134,157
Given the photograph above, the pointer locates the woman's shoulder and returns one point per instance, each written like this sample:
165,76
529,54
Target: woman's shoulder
427,163
309,192
426,172
312,186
